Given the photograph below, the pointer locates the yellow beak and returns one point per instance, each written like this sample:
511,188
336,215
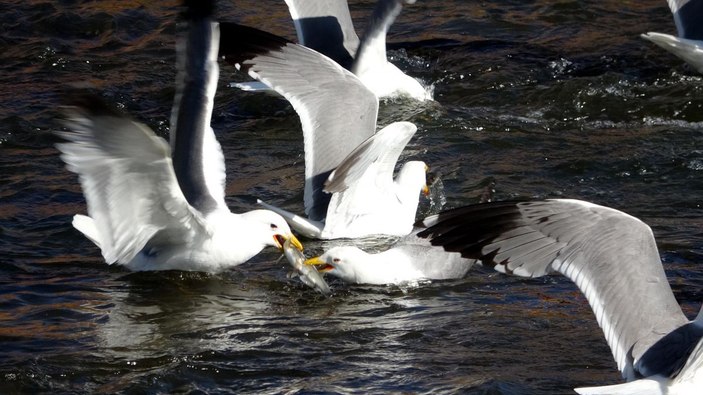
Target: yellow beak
323,266
280,239
315,261
294,240
426,190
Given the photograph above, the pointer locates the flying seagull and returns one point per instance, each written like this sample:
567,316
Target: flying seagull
159,206
612,257
349,186
688,17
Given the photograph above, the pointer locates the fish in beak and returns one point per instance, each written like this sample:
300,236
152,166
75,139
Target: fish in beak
307,274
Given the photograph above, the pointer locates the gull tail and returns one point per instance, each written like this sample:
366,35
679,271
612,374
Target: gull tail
638,387
86,225
304,226
690,51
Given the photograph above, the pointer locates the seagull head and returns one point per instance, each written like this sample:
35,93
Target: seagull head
276,227
412,178
346,262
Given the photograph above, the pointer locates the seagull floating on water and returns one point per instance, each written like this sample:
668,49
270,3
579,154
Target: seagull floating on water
612,257
155,206
326,26
688,17
410,260
343,156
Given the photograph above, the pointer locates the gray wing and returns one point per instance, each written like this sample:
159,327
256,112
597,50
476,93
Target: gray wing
372,49
325,26
336,110
611,256
688,16
197,156
127,178
382,150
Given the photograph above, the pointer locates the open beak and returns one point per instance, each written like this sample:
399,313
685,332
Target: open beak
316,261
281,239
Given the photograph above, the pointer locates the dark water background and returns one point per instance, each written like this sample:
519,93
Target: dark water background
534,98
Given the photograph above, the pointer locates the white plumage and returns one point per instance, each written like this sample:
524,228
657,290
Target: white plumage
155,206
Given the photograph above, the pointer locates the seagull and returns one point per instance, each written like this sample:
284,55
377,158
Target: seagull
406,262
612,257
159,206
326,26
688,16
349,190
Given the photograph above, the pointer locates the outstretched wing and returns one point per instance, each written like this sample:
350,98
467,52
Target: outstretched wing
611,256
374,158
198,161
372,50
336,110
127,178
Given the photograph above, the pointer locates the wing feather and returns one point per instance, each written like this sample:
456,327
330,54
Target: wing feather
383,149
127,178
336,110
199,164
372,49
611,256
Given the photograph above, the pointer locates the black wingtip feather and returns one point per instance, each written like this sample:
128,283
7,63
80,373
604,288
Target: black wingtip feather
469,229
198,9
239,43
478,215
86,101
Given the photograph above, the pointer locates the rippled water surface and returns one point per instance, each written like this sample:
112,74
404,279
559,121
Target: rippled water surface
534,99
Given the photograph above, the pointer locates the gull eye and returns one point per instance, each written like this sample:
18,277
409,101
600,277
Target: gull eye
335,260
274,226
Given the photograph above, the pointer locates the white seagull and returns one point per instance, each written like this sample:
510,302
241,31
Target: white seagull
688,17
326,26
155,206
343,156
408,261
612,257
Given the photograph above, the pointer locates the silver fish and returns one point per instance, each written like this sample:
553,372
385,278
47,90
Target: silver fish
308,274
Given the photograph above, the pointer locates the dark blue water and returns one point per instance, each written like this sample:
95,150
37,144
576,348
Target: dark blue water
534,99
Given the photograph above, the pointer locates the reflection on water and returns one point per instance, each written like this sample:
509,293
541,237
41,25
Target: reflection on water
534,99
